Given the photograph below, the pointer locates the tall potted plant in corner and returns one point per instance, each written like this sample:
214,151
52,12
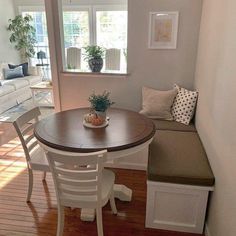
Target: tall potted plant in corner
22,35
94,55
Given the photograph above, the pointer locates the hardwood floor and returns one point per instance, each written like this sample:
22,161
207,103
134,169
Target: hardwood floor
17,218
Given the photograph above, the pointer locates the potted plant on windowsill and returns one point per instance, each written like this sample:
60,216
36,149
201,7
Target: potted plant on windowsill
100,103
94,55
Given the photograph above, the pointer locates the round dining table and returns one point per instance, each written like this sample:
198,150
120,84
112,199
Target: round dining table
127,133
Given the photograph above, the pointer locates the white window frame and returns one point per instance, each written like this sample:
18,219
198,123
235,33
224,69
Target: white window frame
30,9
92,21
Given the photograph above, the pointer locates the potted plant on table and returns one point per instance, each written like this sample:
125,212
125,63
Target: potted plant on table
99,105
94,55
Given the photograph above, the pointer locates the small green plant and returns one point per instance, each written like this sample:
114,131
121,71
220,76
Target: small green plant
100,102
22,35
70,67
94,52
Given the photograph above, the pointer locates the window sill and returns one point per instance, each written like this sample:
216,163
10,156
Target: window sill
94,74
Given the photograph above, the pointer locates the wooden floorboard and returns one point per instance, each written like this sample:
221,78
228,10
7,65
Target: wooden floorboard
17,218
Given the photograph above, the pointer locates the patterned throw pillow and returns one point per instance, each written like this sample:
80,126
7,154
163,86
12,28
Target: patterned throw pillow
184,105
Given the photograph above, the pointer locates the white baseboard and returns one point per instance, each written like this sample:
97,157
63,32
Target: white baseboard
207,232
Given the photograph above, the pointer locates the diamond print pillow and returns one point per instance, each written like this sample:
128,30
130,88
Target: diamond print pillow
184,104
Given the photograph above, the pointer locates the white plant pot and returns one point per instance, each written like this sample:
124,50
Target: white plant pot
101,114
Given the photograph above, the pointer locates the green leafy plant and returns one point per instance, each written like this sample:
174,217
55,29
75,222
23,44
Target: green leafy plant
70,67
22,35
94,52
100,102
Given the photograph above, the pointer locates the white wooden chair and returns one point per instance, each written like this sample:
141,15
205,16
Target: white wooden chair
35,156
112,59
73,58
81,182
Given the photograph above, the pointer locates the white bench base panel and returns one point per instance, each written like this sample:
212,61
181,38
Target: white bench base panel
132,161
176,207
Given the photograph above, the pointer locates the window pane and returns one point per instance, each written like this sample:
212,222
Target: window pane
76,28
40,25
112,29
76,34
112,32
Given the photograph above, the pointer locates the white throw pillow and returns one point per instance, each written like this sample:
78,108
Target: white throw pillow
184,105
2,66
33,70
157,104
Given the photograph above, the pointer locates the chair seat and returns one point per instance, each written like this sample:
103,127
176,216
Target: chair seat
108,179
39,160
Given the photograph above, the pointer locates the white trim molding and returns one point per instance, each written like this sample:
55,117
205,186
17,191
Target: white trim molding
176,207
30,8
207,231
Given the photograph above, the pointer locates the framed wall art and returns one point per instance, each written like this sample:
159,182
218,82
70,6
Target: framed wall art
163,30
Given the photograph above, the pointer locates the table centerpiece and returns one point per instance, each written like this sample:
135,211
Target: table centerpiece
99,105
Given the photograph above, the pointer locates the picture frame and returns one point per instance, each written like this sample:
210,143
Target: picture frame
163,30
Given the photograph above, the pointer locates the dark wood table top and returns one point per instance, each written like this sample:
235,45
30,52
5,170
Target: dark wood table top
65,131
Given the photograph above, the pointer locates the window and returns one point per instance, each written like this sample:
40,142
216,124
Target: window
111,29
40,24
111,32
104,25
76,28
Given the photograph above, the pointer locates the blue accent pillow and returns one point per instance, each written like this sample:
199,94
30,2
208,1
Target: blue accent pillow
13,73
25,67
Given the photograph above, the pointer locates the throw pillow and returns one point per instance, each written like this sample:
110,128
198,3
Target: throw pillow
13,73
184,105
2,66
24,67
157,104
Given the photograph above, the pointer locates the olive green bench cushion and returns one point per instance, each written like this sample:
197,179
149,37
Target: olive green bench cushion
173,125
179,157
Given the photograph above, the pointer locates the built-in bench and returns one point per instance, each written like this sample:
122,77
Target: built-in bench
179,179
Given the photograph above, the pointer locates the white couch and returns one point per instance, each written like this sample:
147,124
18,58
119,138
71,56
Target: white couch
15,91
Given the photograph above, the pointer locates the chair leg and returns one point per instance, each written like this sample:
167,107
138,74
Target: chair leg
30,185
44,175
99,221
113,203
60,220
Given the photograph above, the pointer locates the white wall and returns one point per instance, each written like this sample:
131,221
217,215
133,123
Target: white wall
18,3
7,51
155,68
216,113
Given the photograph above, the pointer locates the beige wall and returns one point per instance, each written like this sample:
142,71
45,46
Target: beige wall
216,113
7,51
155,68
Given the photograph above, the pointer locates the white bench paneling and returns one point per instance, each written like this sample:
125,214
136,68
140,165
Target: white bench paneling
176,207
